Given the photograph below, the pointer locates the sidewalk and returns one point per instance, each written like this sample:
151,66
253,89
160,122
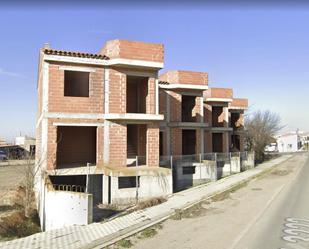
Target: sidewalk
102,234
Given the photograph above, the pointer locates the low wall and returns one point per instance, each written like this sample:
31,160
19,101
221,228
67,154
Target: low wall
159,185
64,208
248,163
201,173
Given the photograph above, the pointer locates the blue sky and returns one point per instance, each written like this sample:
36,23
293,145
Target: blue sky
262,53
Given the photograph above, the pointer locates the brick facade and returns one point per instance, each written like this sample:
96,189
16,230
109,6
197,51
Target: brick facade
111,135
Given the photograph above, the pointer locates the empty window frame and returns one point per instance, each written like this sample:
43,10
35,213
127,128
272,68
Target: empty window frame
188,170
76,84
128,182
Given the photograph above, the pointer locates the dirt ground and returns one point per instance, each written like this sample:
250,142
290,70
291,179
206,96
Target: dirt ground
10,176
217,223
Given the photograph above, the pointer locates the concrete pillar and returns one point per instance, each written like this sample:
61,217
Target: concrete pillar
105,185
225,142
208,142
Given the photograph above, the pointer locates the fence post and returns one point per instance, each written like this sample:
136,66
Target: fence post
230,155
136,180
172,171
87,178
216,168
200,155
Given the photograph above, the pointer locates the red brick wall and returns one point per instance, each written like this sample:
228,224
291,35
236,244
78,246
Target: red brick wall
133,50
117,89
153,145
185,77
242,103
51,146
208,114
162,102
100,145
118,144
60,103
226,93
151,97
175,106
176,141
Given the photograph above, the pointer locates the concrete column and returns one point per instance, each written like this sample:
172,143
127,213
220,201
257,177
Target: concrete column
225,142
202,141
105,191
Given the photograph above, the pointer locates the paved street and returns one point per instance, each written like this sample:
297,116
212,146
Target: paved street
285,224
252,217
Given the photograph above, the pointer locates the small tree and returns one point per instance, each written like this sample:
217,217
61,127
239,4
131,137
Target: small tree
261,127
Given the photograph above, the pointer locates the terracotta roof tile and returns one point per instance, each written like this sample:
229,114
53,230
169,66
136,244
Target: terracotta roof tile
163,82
75,54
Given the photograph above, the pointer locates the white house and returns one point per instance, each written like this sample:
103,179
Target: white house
289,142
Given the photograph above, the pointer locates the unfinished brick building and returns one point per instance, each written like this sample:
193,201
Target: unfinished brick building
99,114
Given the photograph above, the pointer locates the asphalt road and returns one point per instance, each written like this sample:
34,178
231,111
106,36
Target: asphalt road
285,222
252,217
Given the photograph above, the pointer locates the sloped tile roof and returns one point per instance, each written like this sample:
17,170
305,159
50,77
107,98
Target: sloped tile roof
75,54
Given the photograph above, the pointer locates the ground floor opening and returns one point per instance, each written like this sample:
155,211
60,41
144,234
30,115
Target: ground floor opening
217,142
76,146
136,143
188,142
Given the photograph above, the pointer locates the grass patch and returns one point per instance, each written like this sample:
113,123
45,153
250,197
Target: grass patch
150,202
148,233
195,211
124,243
17,225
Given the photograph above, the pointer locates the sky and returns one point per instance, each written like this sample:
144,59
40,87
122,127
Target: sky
262,52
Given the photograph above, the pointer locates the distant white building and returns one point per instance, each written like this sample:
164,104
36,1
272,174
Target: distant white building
289,142
28,143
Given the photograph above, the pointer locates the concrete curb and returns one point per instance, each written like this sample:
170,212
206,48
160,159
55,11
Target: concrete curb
109,240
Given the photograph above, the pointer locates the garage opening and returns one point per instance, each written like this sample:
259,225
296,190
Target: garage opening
188,142
217,116
187,106
76,146
76,84
137,91
217,142
136,143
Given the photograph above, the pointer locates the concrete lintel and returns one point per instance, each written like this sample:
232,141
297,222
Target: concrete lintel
237,108
134,116
77,124
218,129
184,125
74,115
218,100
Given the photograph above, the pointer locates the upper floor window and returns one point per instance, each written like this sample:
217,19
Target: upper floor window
137,92
217,116
76,84
187,109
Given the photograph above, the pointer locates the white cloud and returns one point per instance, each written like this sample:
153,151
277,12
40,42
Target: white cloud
11,74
